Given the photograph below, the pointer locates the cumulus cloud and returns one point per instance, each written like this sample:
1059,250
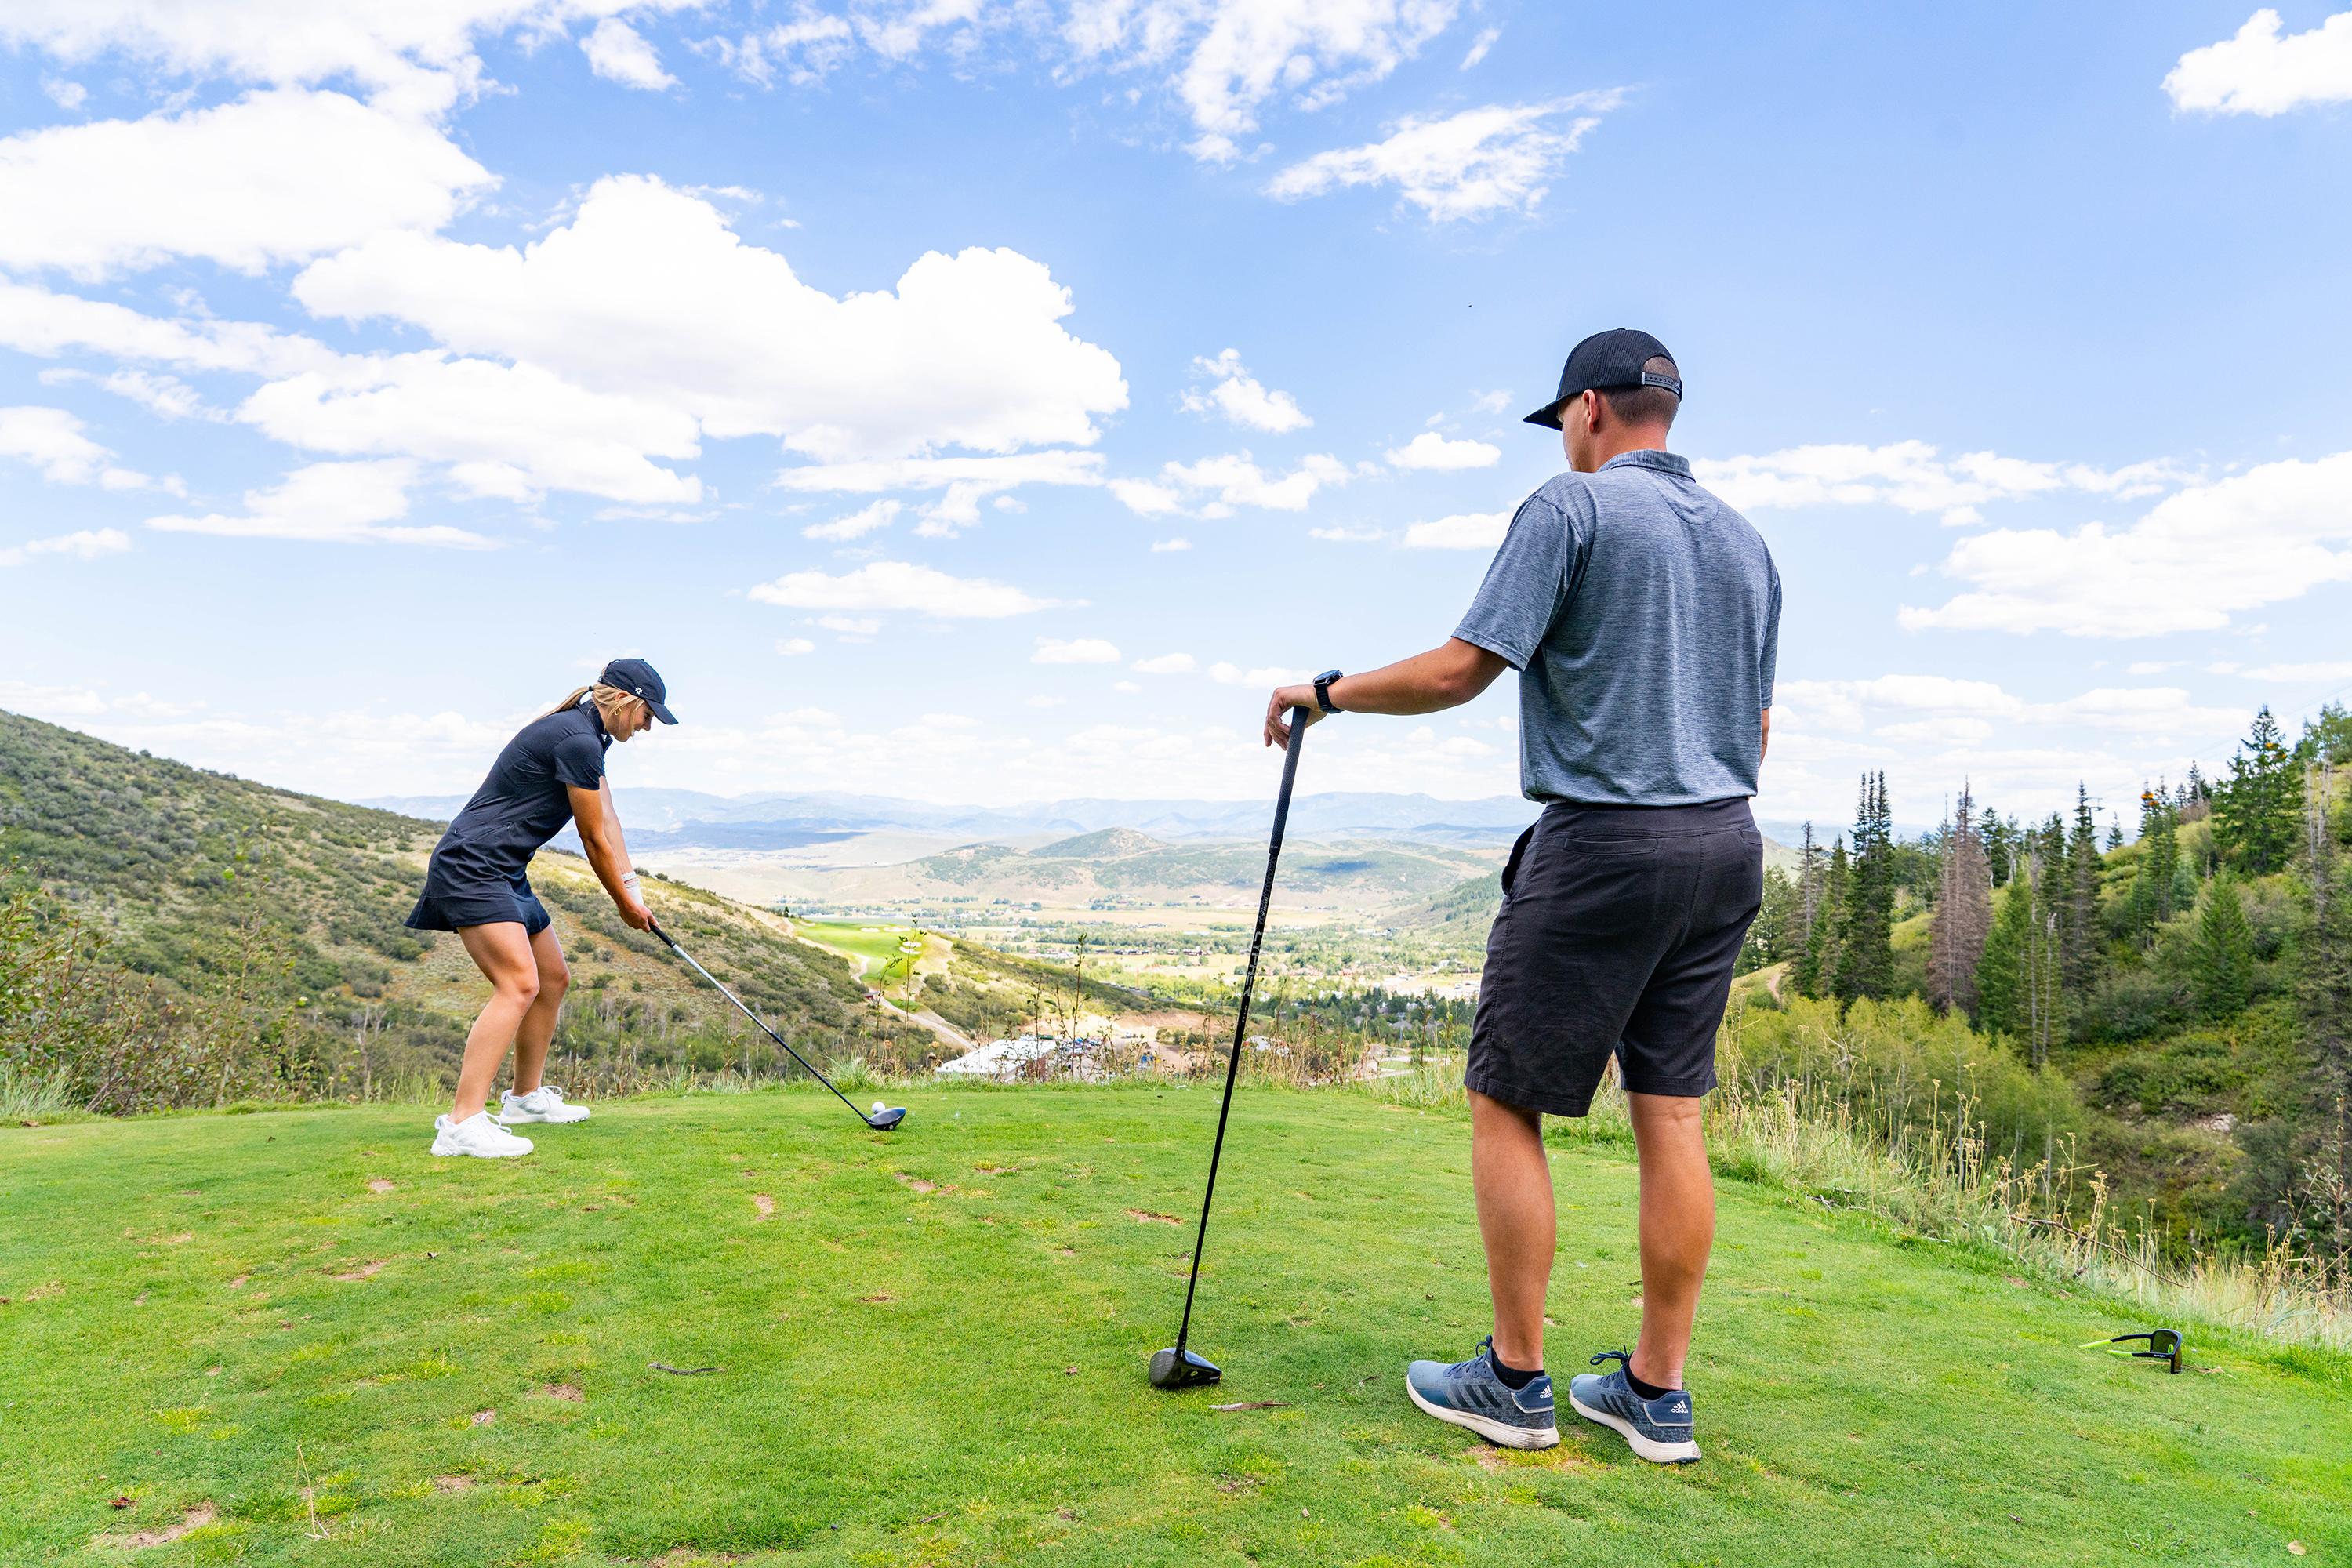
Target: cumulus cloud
85,544
1468,166
2261,537
1166,663
1913,476
1479,46
2263,70
1431,450
856,524
1231,480
2302,674
1241,398
792,648
1463,530
1231,56
804,50
37,321
275,176
1169,546
618,52
1075,650
900,585
52,440
964,482
647,292
330,503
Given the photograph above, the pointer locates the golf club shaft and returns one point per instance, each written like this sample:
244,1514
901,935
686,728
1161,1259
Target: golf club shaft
1241,1022
756,1019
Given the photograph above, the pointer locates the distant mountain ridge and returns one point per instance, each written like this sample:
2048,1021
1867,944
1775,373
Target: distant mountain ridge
691,819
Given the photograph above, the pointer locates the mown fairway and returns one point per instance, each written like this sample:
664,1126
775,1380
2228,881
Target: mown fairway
929,1348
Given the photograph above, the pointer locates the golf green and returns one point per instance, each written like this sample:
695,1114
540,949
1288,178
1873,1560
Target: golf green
746,1328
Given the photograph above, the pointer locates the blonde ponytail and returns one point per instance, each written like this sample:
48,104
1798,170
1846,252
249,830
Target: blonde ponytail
611,701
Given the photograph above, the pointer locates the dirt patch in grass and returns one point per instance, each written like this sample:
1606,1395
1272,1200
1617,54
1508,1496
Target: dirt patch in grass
916,1183
378,1185
453,1483
364,1272
1145,1216
879,1298
1494,1461
764,1203
194,1519
571,1391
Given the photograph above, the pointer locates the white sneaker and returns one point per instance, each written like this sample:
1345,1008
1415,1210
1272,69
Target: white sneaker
544,1103
476,1135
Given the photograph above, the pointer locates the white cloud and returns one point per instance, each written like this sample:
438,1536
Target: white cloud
792,648
1146,498
1235,480
964,482
52,441
1431,450
2302,674
856,524
851,628
2153,666
508,430
1479,46
648,293
275,176
36,322
1912,476
1469,165
1169,546
1490,402
618,52
805,51
68,96
1346,533
333,503
165,396
899,585
1166,663
2261,71
86,544
1241,398
1463,530
2260,537
1266,675
1075,650
1238,54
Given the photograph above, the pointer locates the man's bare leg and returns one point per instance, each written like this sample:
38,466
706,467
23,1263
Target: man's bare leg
1515,1216
1677,1230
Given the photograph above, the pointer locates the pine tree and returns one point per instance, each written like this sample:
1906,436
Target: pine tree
2081,924
2114,832
2152,890
1866,958
1955,937
2017,980
2223,958
1821,960
1805,972
2325,992
2257,815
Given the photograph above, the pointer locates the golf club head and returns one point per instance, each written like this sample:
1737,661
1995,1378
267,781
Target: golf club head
1174,1368
883,1121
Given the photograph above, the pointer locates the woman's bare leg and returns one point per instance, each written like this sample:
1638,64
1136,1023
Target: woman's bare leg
539,1024
503,954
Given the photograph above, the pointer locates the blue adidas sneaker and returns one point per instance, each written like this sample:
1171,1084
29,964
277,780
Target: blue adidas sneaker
1659,1430
1468,1393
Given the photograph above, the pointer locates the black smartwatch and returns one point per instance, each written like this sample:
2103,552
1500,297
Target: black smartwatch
1323,690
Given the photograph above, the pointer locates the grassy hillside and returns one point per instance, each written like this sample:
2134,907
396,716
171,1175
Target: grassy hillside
296,1334
196,880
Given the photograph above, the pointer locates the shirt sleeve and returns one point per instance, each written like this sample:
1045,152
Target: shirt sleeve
580,760
1768,665
1526,584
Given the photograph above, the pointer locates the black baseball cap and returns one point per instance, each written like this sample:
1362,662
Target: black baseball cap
1614,358
639,679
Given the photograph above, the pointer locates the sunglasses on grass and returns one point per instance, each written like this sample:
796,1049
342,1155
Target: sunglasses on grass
2163,1344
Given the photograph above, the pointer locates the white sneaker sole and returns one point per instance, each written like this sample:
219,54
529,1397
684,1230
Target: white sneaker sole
522,1118
1648,1449
1494,1432
452,1150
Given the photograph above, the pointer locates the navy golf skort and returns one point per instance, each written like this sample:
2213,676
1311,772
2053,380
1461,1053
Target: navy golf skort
1618,933
453,903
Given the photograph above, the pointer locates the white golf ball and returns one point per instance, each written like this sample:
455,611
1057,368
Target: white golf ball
877,1108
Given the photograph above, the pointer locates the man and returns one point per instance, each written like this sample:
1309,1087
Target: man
1643,615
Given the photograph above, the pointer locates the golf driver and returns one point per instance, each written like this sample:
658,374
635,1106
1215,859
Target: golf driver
1177,1367
883,1119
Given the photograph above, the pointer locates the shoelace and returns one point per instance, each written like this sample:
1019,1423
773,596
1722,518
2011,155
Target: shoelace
1622,1358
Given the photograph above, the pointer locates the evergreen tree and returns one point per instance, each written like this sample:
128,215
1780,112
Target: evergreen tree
1865,957
1821,960
2325,989
2081,956
2222,959
2327,738
2258,813
2017,988
2115,833
2152,893
1805,972
1956,936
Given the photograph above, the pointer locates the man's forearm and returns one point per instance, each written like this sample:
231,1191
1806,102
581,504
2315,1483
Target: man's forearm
1445,676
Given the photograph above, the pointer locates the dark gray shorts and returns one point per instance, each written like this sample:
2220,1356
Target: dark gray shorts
1618,933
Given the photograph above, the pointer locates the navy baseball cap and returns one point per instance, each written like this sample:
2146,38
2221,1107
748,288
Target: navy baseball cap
639,679
1614,358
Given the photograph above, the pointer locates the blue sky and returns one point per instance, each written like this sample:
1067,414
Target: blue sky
370,372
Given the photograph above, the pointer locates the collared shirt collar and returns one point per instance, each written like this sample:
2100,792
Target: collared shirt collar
1649,457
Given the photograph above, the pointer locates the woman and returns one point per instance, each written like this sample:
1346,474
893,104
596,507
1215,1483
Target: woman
550,773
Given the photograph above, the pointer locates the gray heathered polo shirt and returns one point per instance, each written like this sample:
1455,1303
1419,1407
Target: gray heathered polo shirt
1644,616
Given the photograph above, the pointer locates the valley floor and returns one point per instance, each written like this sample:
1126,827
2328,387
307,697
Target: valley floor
294,1337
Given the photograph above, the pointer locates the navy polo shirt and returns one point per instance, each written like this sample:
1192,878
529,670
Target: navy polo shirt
523,803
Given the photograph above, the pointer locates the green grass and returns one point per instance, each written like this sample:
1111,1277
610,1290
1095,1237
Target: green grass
956,1376
885,964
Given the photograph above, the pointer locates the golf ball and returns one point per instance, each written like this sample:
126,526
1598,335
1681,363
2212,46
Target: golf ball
877,1108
